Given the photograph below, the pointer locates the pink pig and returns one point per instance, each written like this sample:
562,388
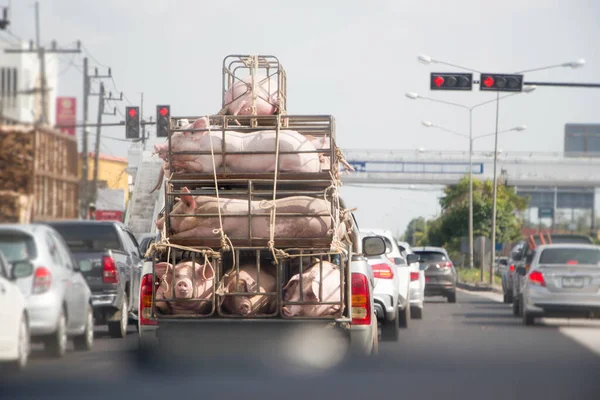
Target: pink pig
251,304
184,287
239,96
311,282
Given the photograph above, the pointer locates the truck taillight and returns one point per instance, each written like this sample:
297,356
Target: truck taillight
42,280
361,302
414,276
145,308
511,268
109,270
382,271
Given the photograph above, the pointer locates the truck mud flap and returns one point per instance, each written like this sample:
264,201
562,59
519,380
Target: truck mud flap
243,345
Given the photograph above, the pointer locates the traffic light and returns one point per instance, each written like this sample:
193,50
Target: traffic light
163,121
132,122
501,82
451,81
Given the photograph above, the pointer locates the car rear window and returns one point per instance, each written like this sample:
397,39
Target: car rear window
17,246
570,256
427,256
89,237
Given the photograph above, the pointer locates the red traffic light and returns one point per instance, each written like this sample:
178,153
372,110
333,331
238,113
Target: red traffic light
439,81
163,111
489,81
451,81
132,112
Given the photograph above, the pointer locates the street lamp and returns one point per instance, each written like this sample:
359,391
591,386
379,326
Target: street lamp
416,96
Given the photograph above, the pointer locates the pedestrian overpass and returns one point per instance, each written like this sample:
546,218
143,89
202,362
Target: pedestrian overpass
551,180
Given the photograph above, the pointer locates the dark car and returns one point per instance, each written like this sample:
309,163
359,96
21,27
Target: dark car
110,261
440,275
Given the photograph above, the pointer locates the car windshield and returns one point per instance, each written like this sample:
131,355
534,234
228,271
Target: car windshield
17,247
431,256
570,256
89,237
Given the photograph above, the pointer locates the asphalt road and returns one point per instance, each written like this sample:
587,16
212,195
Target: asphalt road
472,349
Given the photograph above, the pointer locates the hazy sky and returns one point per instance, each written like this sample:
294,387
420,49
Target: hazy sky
353,59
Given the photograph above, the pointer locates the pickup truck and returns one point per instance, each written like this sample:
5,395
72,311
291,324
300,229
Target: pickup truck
110,261
215,338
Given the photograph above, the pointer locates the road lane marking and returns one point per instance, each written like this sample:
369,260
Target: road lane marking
584,331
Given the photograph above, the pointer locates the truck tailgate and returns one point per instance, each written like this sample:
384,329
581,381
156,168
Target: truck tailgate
91,269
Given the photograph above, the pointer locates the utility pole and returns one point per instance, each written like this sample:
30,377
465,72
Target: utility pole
142,119
41,52
101,101
495,195
87,194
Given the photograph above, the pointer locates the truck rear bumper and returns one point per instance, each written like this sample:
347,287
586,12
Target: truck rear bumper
246,342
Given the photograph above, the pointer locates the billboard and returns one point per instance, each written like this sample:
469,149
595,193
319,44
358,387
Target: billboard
582,140
109,215
66,111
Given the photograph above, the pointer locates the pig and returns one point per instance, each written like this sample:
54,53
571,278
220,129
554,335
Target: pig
237,227
235,142
184,287
311,282
250,305
238,98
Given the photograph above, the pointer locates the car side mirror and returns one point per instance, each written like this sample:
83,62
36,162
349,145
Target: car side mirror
373,246
76,266
521,271
21,269
412,258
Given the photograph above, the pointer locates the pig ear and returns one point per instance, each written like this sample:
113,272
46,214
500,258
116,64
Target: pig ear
204,272
188,200
200,123
290,287
163,268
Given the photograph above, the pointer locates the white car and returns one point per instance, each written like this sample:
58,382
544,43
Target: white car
402,270
417,282
14,334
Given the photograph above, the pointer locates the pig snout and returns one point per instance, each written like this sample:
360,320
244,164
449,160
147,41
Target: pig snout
183,289
244,307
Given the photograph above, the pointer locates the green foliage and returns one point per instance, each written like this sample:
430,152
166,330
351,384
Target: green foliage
453,223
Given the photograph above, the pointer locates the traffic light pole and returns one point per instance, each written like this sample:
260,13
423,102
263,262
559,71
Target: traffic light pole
495,195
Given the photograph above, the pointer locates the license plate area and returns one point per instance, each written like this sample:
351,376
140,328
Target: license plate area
573,282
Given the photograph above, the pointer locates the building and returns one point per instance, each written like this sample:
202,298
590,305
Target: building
112,172
19,75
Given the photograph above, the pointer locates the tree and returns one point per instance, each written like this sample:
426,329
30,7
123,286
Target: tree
453,223
415,230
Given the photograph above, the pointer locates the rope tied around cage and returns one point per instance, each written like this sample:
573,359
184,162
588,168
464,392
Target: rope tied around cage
272,204
226,244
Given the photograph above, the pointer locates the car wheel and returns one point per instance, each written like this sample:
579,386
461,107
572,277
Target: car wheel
520,306
416,313
375,349
389,330
403,316
24,347
85,341
515,307
56,345
118,329
528,319
507,297
451,297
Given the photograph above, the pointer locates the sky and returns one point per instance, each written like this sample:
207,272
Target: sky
352,59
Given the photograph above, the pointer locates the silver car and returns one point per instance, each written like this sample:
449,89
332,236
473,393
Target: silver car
58,300
563,281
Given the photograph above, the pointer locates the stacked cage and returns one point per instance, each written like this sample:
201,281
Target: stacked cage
253,226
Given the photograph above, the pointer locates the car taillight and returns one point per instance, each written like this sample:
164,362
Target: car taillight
42,280
109,270
512,268
447,264
414,276
382,271
537,278
145,308
361,302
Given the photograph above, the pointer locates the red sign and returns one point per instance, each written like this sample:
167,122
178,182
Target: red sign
66,111
108,215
